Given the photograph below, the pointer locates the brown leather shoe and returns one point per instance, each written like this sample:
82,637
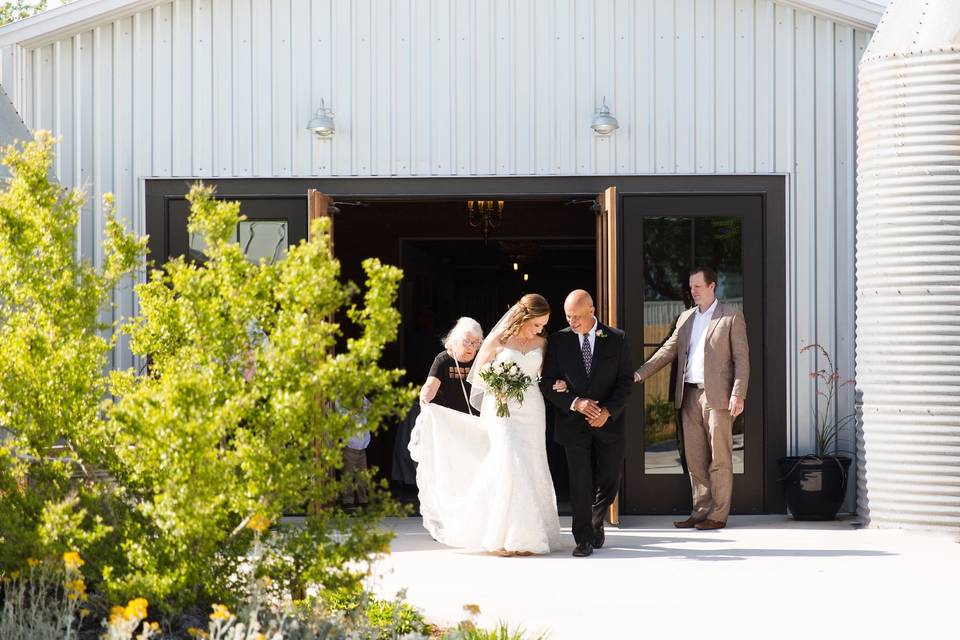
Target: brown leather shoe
689,523
706,525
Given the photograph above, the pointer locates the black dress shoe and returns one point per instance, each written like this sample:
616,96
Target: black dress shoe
598,537
583,550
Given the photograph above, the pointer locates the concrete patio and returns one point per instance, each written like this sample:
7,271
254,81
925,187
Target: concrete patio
762,577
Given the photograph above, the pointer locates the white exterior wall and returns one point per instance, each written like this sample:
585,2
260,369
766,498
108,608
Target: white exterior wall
204,88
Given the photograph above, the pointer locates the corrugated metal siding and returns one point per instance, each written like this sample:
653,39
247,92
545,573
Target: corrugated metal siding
473,87
908,251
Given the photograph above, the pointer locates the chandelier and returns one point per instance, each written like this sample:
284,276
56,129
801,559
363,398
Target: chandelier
485,214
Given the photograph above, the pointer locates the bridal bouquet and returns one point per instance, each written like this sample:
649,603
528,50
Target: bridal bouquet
505,380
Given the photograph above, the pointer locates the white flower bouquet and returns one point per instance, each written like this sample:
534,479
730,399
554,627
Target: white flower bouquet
506,381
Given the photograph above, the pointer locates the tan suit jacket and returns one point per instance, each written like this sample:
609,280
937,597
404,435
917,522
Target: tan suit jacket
726,356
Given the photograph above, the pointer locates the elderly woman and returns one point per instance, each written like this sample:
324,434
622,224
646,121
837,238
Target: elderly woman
446,383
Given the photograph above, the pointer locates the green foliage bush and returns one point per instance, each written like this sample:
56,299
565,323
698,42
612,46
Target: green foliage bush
52,361
232,424
236,415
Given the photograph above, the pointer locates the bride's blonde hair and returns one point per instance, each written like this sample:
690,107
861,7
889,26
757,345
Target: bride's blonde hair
532,305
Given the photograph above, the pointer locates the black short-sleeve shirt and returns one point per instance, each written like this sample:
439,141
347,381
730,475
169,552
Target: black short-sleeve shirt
450,394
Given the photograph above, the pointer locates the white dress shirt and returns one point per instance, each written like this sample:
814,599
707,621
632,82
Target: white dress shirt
698,337
592,338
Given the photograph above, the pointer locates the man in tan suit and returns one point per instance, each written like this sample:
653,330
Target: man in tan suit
710,345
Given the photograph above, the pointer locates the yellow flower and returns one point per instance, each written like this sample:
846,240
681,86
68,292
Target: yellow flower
32,562
76,589
154,626
117,614
84,612
197,633
260,636
73,560
258,522
136,609
13,575
220,612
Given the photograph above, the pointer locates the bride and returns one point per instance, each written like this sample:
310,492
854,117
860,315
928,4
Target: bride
484,481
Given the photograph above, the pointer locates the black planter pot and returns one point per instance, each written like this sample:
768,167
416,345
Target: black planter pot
814,487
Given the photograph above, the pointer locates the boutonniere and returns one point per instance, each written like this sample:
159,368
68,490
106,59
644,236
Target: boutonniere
601,333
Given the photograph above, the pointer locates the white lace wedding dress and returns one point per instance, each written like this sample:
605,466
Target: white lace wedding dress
484,481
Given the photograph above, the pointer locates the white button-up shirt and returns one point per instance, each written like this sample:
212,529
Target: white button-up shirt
698,337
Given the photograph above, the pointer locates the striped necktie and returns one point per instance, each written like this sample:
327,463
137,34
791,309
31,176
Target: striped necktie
587,355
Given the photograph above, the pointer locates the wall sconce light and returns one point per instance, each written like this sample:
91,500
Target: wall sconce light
526,277
322,123
603,122
516,267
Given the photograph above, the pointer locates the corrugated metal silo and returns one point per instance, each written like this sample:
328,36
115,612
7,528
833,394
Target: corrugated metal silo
908,268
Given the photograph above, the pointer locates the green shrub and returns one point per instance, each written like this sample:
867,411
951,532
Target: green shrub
163,478
235,417
52,361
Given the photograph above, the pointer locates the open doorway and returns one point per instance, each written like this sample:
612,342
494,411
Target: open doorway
452,269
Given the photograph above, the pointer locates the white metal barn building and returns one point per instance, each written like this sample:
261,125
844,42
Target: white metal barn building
736,147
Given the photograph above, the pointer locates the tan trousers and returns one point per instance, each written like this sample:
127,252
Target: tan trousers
708,446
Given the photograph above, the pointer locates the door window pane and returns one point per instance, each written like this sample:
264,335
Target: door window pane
266,239
672,247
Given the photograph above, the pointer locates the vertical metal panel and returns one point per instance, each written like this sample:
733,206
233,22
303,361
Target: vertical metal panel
361,134
142,103
845,61
744,88
705,90
725,108
261,88
83,83
564,89
824,245
222,125
401,81
584,85
321,78
201,97
644,114
182,91
280,89
440,99
465,85
421,37
524,141
383,96
805,217
161,131
684,44
605,77
226,87
123,151
908,261
665,135
242,27
764,123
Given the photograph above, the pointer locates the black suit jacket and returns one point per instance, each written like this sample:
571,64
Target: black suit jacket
609,383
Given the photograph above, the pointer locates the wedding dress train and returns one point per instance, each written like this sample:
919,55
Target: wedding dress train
484,481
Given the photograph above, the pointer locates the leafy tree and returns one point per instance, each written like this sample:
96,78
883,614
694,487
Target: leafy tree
243,415
52,360
20,9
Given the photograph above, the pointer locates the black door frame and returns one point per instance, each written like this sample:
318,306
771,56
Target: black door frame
770,188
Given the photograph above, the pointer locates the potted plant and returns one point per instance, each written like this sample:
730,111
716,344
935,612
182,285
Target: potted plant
815,484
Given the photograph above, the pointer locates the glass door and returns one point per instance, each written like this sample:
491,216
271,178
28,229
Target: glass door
668,236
